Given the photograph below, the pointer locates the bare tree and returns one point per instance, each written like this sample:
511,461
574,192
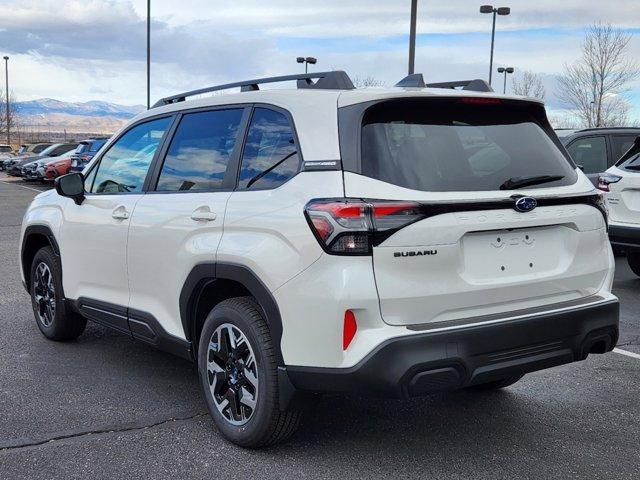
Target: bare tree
13,115
592,85
364,82
528,84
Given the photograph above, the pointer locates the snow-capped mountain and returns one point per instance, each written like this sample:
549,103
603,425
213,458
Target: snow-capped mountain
46,106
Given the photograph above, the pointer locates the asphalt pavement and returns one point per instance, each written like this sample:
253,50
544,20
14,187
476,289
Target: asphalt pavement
106,407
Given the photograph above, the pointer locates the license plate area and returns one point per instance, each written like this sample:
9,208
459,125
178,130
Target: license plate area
499,254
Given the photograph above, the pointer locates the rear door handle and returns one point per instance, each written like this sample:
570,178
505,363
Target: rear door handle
203,214
120,213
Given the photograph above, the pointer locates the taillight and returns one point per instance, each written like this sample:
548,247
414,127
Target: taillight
480,100
607,179
352,226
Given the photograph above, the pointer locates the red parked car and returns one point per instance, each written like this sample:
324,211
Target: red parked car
57,168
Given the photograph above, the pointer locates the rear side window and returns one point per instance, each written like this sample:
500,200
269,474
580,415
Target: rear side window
270,155
124,166
200,150
590,153
96,145
451,146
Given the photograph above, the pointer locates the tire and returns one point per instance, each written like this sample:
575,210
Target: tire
496,385
633,259
254,381
53,318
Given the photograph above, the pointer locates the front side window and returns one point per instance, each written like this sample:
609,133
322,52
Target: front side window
590,153
442,146
200,150
124,166
270,154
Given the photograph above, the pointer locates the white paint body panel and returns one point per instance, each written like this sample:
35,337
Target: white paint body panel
93,248
623,198
165,243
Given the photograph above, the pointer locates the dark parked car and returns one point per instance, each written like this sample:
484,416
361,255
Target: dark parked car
85,152
597,149
14,167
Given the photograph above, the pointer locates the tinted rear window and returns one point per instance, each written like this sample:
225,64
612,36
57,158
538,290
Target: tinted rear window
435,146
39,148
96,145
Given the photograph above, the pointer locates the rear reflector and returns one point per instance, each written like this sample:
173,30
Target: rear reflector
349,330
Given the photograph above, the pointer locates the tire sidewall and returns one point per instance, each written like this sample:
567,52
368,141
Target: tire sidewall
259,422
46,255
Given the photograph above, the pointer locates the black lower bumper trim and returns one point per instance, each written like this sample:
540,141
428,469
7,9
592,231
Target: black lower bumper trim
628,237
435,361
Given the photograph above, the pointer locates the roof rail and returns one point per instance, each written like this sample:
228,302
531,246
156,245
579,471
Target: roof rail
414,80
334,80
606,128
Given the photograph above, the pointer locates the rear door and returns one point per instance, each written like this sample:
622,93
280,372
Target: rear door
179,222
471,253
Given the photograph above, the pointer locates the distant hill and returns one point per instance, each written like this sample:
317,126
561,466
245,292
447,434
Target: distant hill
50,114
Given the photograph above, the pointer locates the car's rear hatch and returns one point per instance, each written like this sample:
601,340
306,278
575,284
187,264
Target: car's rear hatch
471,253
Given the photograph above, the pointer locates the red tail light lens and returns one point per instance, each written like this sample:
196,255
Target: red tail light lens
607,179
480,100
353,226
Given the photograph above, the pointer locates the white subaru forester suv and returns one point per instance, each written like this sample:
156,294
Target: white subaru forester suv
393,242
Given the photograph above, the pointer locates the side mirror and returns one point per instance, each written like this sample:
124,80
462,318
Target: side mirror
72,186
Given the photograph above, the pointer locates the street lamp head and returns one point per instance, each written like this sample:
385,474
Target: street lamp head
509,69
504,10
486,9
311,60
300,59
500,69
5,57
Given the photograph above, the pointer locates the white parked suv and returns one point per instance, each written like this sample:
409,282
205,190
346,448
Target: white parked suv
396,242
621,184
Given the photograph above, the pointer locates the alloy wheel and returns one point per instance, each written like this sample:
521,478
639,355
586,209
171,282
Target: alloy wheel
232,371
44,294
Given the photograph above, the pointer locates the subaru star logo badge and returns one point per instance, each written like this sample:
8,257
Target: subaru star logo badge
525,204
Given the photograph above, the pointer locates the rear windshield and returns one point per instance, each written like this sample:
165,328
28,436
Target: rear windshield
40,148
96,145
453,146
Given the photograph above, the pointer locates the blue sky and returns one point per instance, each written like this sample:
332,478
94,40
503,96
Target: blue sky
82,50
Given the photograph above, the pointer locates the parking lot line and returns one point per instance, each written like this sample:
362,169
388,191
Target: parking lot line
22,186
628,354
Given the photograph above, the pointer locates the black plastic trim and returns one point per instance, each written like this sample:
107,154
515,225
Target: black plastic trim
435,361
41,230
139,325
204,273
628,237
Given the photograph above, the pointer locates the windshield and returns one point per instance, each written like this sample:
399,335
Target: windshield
5,149
458,147
47,151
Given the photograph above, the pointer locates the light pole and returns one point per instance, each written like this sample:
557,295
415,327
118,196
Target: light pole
505,70
307,61
6,90
495,11
148,54
412,36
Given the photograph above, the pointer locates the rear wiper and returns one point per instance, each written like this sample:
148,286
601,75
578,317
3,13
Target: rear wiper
519,182
271,168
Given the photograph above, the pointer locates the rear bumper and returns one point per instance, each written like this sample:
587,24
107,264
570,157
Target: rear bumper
430,362
627,237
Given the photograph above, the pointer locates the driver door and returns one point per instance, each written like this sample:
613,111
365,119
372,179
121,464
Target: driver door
93,237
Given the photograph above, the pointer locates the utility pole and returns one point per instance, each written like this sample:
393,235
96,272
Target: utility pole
494,11
148,54
6,91
412,37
